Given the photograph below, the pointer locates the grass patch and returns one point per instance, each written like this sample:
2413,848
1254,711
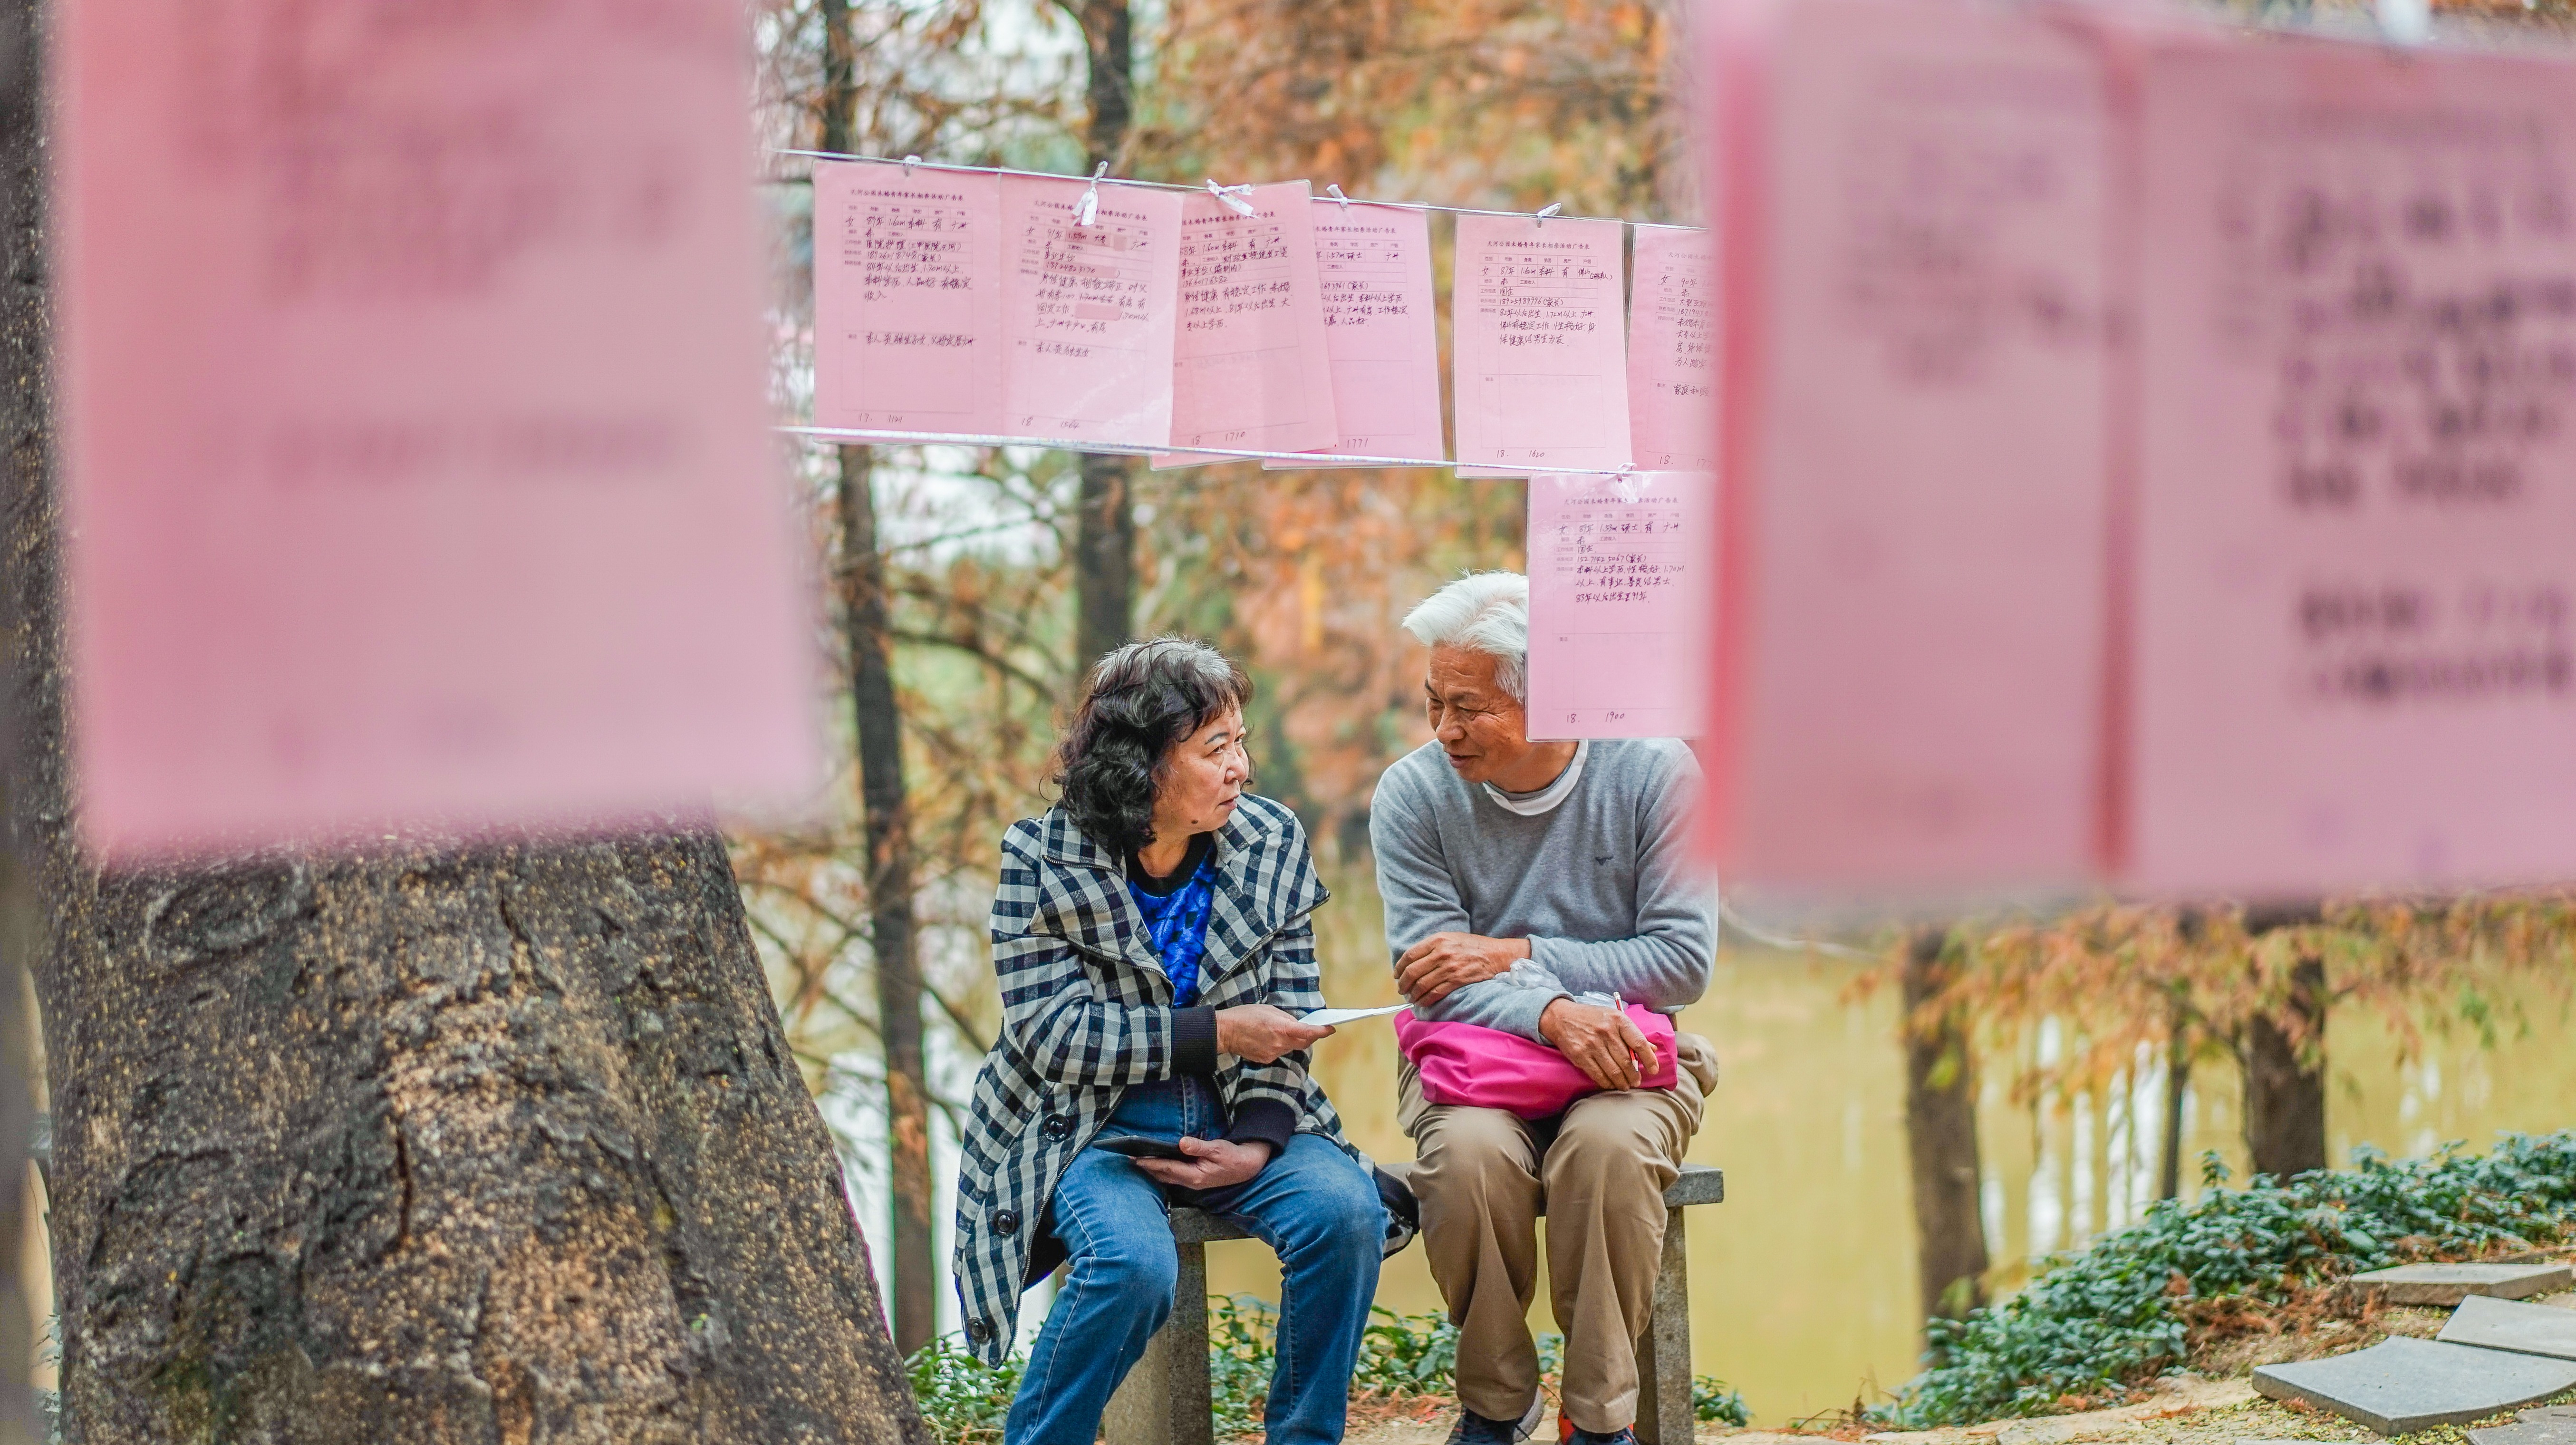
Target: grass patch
2099,1323
1402,1358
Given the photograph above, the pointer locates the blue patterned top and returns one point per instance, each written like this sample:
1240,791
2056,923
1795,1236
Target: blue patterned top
1177,922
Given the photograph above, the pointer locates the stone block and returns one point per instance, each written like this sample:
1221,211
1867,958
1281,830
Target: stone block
2448,1284
2557,1431
2402,1385
2498,1324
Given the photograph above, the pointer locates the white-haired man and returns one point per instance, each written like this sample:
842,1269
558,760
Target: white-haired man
1528,885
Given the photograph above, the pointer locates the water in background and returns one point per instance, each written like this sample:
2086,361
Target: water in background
1802,1283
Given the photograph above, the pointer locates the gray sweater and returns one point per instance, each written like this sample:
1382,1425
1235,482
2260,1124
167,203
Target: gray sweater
1601,884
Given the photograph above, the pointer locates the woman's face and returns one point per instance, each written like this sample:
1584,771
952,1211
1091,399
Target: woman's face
1201,778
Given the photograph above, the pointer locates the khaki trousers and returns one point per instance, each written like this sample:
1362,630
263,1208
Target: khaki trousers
1602,1168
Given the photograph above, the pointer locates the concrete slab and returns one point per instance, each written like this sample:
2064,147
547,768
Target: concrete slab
2498,1324
2401,1385
2448,1284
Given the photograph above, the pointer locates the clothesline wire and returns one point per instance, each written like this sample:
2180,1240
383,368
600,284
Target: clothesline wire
1068,444
915,163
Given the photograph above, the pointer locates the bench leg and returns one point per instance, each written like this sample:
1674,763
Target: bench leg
1164,1400
1664,1414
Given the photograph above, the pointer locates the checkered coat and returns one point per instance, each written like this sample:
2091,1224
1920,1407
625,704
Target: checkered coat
1087,1011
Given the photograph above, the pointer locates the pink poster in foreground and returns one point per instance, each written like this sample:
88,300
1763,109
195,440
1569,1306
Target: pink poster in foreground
1619,603
907,299
1089,312
1672,349
1911,678
1542,369
1380,332
1249,367
413,423
2356,553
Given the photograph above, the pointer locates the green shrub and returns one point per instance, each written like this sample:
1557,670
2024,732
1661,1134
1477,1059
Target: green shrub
965,1400
2107,1319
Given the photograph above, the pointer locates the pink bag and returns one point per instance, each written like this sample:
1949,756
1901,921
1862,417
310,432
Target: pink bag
1490,1069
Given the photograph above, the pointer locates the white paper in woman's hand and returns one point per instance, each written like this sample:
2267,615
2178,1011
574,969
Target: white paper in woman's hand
1323,1016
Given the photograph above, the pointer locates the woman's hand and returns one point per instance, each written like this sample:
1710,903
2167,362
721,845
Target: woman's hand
1214,1163
1263,1033
1604,1043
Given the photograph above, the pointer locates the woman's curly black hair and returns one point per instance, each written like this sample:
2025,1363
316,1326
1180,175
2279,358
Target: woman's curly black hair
1144,697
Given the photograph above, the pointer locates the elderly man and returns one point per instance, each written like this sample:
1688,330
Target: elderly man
1528,885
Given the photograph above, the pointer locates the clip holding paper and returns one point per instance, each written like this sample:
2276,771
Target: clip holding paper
1335,191
1550,209
1232,196
1088,209
908,163
2404,23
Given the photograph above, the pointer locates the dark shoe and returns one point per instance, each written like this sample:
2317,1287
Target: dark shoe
1568,1435
1475,1429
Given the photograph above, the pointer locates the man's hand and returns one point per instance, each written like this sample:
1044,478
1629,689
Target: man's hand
1604,1043
1263,1033
1214,1164
1446,962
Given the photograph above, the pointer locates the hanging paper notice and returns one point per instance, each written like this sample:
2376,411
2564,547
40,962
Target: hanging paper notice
907,300
1619,603
1249,368
1911,679
417,467
2356,595
1380,332
1672,350
1088,313
1542,370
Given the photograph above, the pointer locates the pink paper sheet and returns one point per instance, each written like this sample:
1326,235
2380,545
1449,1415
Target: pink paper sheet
2356,584
907,299
1380,332
1619,570
1542,371
1089,313
1672,349
1249,367
1911,673
413,422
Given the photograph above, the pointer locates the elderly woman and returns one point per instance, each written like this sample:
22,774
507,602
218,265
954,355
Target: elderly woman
1154,948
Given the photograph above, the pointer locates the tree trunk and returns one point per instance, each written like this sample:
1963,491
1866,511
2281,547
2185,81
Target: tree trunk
2285,1093
2177,1091
1941,1140
438,1144
1104,553
913,1259
1104,560
892,937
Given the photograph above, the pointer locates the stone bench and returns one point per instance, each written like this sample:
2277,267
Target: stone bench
1165,1401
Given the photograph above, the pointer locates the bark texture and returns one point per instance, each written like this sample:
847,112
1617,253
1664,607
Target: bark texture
495,1144
1941,1139
2285,1063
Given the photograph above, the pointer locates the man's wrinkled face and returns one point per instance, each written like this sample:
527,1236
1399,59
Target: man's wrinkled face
1480,727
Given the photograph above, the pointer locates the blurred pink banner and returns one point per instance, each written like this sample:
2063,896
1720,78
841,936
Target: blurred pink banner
1619,603
2356,543
1249,367
1672,349
1538,312
413,423
1090,312
1915,240
907,299
1380,332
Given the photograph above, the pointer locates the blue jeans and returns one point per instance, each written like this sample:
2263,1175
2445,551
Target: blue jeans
1313,1204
